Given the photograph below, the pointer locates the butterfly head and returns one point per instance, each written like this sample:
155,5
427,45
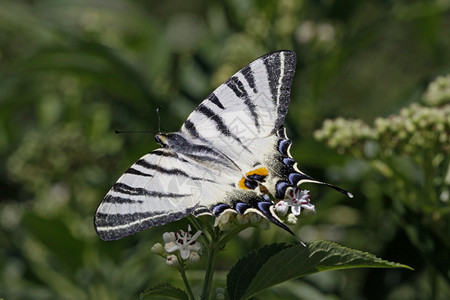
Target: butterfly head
172,140
161,139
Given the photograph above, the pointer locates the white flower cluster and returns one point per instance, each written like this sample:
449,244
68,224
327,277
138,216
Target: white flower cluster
438,91
184,242
297,200
415,131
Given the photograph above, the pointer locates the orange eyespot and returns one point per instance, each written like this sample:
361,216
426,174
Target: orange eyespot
260,172
242,184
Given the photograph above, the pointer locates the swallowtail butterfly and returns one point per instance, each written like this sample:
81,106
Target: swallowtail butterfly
232,153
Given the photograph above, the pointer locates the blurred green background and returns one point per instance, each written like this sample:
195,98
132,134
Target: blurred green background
73,71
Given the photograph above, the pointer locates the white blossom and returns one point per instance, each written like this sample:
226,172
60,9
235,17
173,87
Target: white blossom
297,200
182,241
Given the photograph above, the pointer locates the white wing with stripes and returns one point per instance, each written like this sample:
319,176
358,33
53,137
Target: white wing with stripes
231,153
161,187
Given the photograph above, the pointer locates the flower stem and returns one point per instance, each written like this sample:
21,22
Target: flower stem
186,282
230,235
212,251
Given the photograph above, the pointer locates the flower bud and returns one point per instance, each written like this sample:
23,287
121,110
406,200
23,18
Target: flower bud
220,293
254,218
193,258
281,208
242,219
224,221
172,261
158,249
291,219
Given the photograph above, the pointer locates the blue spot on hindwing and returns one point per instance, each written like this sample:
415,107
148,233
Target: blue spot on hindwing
294,178
264,207
280,189
219,208
241,207
283,146
288,161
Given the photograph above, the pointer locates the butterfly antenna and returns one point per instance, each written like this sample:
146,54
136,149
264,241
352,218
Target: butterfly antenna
159,118
132,131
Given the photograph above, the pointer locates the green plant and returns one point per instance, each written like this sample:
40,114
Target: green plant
262,268
410,150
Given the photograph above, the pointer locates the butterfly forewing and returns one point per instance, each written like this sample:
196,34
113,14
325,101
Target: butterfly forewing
257,96
161,187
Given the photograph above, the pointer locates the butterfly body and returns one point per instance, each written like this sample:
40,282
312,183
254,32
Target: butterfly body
232,153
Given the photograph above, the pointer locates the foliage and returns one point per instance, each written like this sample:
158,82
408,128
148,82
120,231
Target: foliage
165,289
72,72
276,263
411,151
262,268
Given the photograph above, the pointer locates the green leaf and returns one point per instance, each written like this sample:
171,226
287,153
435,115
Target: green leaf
276,263
165,289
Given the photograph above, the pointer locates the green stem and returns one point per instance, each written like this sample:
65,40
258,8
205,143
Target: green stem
186,282
231,235
198,227
213,249
209,228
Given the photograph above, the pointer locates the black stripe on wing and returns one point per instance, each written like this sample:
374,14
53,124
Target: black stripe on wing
248,75
213,98
123,193
183,147
189,151
220,124
133,171
160,152
147,165
123,188
116,226
207,158
190,127
174,171
280,68
239,90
